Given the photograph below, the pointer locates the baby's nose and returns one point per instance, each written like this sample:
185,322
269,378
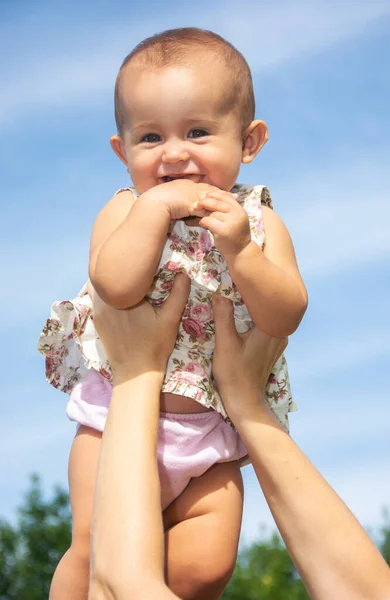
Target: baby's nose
174,153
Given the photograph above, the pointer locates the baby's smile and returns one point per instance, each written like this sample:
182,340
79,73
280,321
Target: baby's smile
195,177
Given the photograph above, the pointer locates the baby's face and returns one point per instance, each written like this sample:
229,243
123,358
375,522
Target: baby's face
177,127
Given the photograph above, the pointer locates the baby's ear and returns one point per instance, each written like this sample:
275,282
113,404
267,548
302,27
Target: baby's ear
255,136
118,145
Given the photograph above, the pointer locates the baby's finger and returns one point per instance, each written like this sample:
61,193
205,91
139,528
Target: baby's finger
198,212
224,196
215,226
213,205
218,216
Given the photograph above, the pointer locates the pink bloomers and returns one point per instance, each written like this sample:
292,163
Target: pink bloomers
188,444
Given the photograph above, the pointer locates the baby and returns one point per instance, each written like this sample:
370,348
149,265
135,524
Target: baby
184,107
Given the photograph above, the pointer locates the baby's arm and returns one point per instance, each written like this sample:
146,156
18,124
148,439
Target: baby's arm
128,238
126,245
269,282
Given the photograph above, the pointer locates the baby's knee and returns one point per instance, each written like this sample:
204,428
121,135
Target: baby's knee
207,579
218,572
81,547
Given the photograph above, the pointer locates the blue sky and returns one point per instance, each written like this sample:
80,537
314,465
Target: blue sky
322,84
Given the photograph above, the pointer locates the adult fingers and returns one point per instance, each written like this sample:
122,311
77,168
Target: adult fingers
225,329
92,293
263,349
174,305
98,306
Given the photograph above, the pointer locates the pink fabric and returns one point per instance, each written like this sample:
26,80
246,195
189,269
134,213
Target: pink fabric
188,444
89,401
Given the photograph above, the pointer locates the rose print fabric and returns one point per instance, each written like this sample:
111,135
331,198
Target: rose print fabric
71,345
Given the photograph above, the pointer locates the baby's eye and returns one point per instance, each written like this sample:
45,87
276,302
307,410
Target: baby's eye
151,138
197,133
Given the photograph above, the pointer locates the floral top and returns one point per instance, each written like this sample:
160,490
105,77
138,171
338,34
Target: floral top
71,345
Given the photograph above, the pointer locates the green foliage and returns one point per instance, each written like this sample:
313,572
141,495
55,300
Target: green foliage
30,551
385,542
265,571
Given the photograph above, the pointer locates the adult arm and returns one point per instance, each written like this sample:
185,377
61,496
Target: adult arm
127,559
332,552
127,549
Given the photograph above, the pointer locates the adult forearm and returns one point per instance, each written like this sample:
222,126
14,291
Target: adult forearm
127,540
332,552
273,298
127,261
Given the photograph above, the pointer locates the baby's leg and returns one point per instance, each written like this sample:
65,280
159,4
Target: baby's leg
202,532
71,577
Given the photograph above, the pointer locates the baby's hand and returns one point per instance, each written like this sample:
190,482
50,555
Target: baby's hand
227,221
180,197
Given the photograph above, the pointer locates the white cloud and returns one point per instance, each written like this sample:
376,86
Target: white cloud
336,236
286,30
337,423
80,71
341,217
334,355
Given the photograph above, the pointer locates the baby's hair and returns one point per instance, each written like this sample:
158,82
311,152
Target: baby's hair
183,47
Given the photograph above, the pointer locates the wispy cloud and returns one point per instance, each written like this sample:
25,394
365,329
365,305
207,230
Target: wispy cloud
335,421
80,71
342,217
285,30
339,354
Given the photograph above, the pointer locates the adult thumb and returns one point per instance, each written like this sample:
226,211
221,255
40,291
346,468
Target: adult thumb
225,329
175,303
97,303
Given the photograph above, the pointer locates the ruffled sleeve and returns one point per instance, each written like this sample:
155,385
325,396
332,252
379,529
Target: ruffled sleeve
71,345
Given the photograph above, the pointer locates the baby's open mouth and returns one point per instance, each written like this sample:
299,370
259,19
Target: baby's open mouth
191,176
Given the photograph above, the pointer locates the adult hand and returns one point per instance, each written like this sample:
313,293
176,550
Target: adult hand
242,362
140,339
127,545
